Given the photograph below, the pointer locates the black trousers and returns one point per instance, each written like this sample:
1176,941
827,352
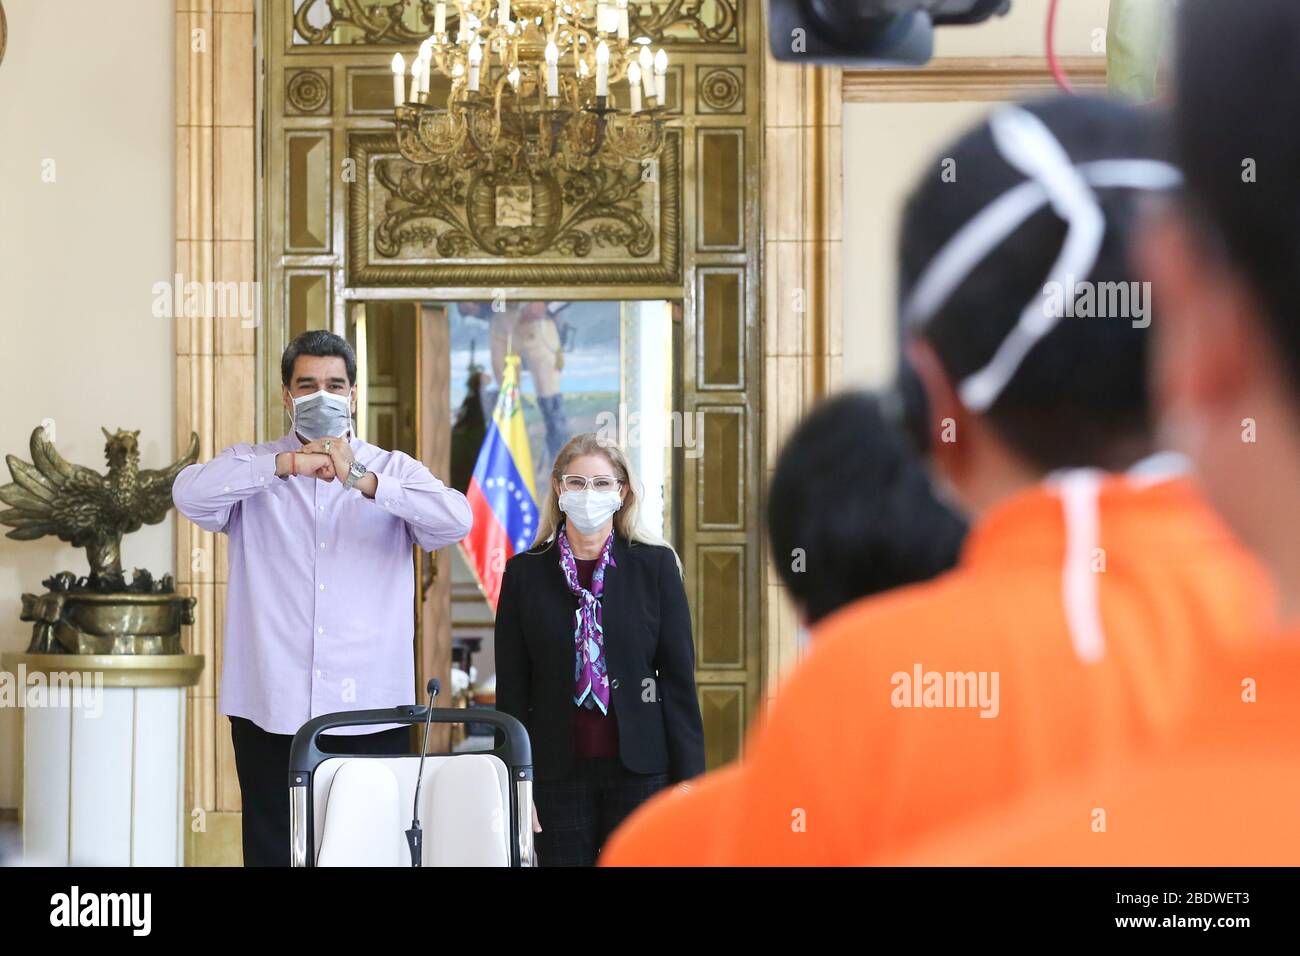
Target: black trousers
581,810
262,762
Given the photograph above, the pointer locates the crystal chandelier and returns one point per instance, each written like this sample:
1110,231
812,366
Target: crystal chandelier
530,88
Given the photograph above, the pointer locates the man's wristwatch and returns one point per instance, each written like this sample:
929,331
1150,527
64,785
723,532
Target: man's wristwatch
356,471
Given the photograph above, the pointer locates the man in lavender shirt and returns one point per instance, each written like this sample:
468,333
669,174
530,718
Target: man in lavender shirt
320,604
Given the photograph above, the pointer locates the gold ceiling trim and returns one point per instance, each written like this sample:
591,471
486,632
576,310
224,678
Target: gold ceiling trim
573,215
972,78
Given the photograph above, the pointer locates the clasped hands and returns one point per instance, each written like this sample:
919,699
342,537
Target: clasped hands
324,459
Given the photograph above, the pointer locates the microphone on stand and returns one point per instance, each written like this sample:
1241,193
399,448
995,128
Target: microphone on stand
414,839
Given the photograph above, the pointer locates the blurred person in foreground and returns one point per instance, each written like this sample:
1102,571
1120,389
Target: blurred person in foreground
1095,583
886,527
1225,260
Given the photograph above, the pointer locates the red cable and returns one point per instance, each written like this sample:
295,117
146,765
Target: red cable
1053,64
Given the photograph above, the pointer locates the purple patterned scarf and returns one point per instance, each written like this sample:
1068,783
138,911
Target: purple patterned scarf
590,673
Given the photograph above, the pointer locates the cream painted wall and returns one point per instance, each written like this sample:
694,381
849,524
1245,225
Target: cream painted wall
886,147
79,256
1080,26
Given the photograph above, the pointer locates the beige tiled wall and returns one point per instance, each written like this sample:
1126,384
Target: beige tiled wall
801,268
215,369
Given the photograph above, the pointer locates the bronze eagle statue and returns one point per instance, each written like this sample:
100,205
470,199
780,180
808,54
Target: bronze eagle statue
52,496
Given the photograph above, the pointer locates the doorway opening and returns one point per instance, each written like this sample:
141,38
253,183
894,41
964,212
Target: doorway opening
429,374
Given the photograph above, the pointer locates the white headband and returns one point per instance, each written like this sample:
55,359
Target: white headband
1027,144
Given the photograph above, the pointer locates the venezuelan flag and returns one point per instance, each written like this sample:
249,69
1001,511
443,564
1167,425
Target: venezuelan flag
501,494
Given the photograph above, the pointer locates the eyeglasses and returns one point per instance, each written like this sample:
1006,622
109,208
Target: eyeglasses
596,482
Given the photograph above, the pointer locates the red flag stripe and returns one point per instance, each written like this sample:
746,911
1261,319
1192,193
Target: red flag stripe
487,545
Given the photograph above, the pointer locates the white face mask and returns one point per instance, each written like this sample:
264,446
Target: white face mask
589,510
322,414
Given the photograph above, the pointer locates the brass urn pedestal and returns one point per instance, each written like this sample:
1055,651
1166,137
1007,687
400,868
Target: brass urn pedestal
93,622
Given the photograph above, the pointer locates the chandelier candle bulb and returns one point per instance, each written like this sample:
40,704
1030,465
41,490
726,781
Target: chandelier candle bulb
475,60
647,71
399,74
602,69
552,69
661,76
426,57
440,18
550,107
634,85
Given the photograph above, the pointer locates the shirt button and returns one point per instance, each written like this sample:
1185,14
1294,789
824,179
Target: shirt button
320,630
614,682
322,587
318,507
227,488
318,673
322,545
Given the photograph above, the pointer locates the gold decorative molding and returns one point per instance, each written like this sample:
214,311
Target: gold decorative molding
689,21
721,89
705,23
118,670
308,91
376,22
449,214
971,78
4,33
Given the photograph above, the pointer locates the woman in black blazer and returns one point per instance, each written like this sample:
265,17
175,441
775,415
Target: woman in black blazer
594,656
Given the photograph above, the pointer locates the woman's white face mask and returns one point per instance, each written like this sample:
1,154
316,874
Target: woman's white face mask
322,414
589,510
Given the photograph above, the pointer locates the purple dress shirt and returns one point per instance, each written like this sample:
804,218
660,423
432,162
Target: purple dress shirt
320,603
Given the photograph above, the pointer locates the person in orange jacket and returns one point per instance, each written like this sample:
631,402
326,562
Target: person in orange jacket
1096,583
1225,259
1223,792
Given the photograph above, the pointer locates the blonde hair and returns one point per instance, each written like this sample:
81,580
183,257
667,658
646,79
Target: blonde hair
627,520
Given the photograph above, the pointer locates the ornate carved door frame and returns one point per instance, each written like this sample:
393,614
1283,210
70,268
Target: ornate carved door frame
328,239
